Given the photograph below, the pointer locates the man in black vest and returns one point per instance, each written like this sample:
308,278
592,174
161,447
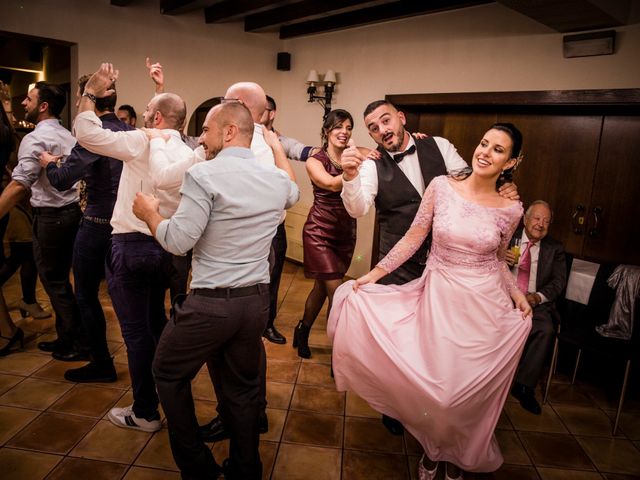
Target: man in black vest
395,179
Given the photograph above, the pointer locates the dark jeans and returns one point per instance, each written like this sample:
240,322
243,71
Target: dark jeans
276,264
227,334
54,233
138,272
89,253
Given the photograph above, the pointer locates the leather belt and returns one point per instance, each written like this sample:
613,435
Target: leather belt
256,289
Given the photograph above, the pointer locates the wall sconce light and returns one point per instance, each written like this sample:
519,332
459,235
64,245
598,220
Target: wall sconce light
328,83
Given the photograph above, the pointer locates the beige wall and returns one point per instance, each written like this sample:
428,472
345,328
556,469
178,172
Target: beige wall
485,48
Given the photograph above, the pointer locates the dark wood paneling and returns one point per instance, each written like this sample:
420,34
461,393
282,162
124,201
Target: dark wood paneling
616,191
560,154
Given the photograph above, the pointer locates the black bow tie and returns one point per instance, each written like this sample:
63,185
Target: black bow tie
398,157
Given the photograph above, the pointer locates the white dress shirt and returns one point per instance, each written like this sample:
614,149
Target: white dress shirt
360,193
259,147
133,148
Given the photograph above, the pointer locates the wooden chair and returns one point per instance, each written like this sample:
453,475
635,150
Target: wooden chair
578,328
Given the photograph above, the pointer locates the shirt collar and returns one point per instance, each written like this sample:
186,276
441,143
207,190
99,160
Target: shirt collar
48,121
411,142
241,152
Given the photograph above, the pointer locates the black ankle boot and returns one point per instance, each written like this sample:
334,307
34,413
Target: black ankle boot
301,340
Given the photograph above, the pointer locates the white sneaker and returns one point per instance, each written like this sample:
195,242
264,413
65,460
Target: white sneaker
125,418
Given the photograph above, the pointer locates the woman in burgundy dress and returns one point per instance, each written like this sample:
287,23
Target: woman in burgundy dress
329,234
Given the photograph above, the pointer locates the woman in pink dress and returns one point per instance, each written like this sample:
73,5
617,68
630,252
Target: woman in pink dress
439,353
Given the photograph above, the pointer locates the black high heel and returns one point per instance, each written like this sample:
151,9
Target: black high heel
18,336
301,340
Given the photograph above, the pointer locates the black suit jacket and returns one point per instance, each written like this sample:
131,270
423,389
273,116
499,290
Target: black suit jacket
551,276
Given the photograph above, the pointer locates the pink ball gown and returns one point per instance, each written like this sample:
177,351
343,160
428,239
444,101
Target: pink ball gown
438,353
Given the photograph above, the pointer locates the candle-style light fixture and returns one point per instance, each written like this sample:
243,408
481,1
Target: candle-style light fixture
327,83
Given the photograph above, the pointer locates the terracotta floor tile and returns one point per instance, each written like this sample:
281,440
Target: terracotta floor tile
268,452
23,363
279,394
370,434
357,407
373,466
512,449
313,429
202,388
53,371
80,468
282,371
157,453
12,420
315,374
281,352
302,462
569,394
205,411
9,381
629,423
112,444
555,450
585,420
318,338
503,421
507,472
142,473
613,455
276,424
87,400
557,474
619,476
35,393
25,465
318,399
319,354
522,420
52,433
287,319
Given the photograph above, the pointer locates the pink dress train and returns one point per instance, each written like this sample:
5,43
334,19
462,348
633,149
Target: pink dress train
438,353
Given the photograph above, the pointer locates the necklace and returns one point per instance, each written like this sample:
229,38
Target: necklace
334,162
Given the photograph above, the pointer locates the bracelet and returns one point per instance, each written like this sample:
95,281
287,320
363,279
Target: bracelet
90,96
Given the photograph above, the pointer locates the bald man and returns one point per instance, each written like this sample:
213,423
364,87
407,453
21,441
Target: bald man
221,321
138,269
254,98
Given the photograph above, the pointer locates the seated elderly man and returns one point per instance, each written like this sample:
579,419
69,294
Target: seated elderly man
541,273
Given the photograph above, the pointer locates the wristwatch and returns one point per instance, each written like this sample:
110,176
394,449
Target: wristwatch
90,96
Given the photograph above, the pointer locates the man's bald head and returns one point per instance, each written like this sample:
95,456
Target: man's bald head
172,108
251,95
226,125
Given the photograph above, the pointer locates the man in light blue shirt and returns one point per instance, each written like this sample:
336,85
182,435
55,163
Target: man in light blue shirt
229,212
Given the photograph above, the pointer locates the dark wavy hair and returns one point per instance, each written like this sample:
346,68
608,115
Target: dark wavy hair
335,118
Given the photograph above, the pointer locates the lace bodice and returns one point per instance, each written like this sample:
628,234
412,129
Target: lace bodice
464,233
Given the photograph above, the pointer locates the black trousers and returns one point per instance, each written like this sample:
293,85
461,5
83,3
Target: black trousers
54,233
226,333
276,264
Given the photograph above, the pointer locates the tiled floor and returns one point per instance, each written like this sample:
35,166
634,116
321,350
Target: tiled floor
54,429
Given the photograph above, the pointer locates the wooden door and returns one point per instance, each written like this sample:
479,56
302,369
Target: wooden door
560,154
615,236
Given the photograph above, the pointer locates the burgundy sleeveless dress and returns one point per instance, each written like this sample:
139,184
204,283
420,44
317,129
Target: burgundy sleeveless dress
329,234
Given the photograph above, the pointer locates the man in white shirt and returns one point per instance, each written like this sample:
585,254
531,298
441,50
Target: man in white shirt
541,274
138,268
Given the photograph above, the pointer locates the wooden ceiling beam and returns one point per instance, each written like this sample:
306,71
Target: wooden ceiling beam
121,3
176,7
377,14
228,9
296,11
